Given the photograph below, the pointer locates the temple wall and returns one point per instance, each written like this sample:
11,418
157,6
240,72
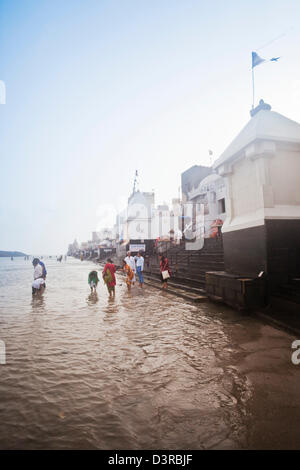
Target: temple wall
245,251
283,250
284,175
245,188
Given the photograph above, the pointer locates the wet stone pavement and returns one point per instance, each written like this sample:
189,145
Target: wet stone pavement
146,370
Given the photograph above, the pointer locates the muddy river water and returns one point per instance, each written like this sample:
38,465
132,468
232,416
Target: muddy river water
146,370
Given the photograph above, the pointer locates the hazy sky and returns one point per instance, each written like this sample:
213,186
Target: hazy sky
96,89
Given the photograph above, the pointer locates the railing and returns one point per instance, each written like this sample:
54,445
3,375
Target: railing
180,259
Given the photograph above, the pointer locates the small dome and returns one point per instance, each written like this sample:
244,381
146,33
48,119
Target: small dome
210,179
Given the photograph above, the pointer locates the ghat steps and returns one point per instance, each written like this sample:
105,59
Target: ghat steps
189,266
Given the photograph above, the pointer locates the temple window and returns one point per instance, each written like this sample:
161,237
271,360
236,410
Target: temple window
221,206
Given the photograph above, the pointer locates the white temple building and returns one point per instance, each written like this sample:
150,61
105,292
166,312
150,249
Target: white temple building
210,192
261,167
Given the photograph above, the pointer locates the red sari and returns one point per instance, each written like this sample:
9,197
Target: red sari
111,267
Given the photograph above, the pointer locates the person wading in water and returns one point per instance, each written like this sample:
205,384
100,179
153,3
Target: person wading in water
109,278
130,274
39,276
131,262
139,261
93,280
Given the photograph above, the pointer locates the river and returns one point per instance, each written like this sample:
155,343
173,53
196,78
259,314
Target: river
146,370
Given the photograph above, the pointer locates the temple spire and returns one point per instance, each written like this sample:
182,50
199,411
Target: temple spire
262,105
136,182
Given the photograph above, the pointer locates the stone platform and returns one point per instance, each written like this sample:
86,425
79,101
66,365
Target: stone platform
241,293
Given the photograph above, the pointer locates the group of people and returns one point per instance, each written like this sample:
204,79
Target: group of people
108,275
132,266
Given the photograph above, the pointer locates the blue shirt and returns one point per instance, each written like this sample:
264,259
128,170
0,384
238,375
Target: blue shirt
44,268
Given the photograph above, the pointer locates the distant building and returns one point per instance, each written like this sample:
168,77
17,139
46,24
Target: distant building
105,234
211,193
166,222
191,178
206,191
73,248
139,213
95,237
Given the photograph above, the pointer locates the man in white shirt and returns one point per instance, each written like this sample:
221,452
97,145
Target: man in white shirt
131,262
38,276
38,271
139,260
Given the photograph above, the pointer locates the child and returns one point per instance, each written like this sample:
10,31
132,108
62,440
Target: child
93,280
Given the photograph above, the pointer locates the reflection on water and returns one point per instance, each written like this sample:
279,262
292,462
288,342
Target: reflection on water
141,370
92,298
38,302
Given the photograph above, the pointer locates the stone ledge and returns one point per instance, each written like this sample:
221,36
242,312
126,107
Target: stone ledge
241,293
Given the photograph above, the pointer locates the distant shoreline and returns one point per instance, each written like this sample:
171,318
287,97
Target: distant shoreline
7,254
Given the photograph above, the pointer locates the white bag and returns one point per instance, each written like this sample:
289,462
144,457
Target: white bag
165,275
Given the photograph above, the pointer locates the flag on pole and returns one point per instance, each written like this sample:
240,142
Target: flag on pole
256,60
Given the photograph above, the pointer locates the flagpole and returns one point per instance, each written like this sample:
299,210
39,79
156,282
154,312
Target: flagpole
256,60
252,87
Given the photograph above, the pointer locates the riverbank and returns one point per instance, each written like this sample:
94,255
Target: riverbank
271,315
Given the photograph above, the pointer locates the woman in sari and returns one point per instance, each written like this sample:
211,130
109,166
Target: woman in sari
130,274
109,278
165,271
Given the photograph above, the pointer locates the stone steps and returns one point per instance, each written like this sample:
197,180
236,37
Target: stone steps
188,267
197,282
194,264
192,294
183,272
206,263
292,288
175,282
285,307
192,254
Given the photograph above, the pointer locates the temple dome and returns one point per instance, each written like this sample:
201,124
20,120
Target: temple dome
210,179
